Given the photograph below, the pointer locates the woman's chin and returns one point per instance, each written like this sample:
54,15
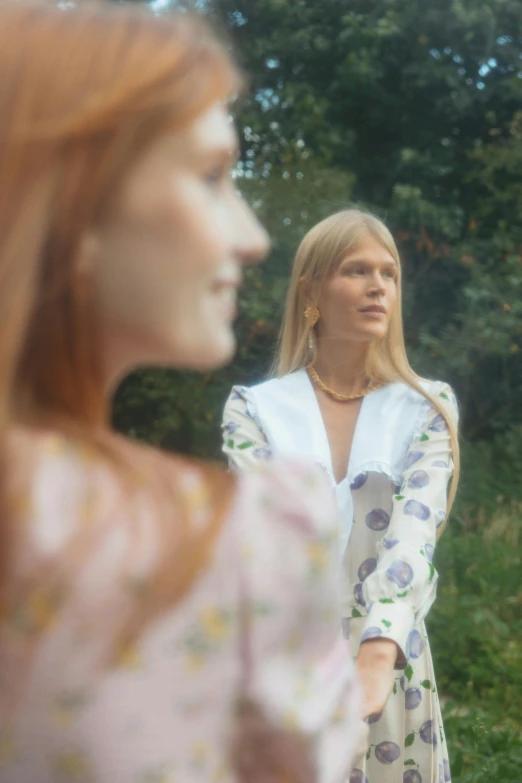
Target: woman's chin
374,335
367,336
215,353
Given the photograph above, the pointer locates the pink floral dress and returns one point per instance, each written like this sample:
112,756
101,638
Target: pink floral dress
163,713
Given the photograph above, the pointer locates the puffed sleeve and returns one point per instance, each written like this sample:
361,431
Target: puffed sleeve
402,588
165,707
244,444
300,668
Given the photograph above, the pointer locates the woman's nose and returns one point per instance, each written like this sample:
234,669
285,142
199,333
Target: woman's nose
252,240
377,285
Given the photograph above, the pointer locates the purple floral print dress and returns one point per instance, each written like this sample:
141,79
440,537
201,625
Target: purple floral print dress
398,506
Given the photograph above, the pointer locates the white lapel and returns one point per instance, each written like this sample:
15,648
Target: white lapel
388,422
287,412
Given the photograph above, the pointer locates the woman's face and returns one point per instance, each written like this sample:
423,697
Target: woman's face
358,300
169,254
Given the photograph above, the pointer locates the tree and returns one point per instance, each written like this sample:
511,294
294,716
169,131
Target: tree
412,110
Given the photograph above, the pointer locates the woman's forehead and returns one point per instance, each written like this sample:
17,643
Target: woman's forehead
213,131
368,249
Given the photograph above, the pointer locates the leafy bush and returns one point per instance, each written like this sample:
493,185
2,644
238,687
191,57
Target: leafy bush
480,749
475,625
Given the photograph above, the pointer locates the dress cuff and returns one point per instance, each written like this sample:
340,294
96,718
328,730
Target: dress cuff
388,619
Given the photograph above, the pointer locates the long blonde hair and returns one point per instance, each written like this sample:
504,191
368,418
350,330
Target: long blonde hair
83,92
317,258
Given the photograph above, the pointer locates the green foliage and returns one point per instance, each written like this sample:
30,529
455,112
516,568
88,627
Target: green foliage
481,748
175,411
475,625
412,110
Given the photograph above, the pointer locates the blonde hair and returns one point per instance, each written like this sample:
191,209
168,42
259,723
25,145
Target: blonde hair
318,257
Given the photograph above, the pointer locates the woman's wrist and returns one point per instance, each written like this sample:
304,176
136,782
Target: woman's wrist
378,651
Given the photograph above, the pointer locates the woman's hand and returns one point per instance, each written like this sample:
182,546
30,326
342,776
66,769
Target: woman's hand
376,667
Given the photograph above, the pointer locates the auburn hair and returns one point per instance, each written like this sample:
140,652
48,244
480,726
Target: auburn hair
318,257
83,91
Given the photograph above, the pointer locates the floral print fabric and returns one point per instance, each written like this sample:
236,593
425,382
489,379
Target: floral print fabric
389,583
164,712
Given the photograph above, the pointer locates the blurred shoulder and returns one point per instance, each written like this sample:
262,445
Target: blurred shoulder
47,461
59,482
57,485
286,498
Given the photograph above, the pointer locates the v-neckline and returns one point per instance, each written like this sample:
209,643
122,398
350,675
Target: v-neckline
326,443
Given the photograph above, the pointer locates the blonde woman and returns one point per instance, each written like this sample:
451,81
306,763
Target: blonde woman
345,395
153,626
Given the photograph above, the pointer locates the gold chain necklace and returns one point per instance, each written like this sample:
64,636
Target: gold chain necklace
340,397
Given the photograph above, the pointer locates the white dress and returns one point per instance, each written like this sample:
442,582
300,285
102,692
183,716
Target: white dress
391,503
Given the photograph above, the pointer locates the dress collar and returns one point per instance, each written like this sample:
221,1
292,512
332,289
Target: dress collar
287,411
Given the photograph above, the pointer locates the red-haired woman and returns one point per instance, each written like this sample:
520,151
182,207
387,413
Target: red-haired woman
161,621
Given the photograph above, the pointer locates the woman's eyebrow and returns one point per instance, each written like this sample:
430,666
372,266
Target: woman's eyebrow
363,260
225,153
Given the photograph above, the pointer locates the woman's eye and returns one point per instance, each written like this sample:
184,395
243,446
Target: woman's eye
216,176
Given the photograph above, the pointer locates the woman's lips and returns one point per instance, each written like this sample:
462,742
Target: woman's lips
376,312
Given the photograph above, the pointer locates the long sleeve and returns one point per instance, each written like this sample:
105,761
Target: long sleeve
244,444
301,671
165,707
402,588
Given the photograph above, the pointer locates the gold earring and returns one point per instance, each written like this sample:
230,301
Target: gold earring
312,315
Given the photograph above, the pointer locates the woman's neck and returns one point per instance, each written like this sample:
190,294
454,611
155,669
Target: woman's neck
341,365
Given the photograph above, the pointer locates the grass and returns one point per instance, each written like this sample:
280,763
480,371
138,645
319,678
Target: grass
476,630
